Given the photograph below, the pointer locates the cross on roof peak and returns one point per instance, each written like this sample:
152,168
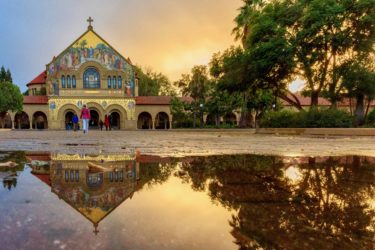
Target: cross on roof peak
90,20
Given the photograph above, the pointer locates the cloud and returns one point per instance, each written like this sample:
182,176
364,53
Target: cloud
170,36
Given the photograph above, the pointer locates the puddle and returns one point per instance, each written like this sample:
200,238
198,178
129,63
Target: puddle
118,201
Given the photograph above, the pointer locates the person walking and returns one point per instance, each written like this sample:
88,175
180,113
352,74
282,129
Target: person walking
101,125
85,116
110,121
75,122
106,122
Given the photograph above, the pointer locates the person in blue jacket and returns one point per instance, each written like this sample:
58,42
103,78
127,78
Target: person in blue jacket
75,121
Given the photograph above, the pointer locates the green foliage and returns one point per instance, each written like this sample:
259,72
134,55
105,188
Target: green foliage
311,39
5,75
371,118
11,98
153,83
314,118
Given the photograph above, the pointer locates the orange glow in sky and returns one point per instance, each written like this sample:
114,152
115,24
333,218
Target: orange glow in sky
168,36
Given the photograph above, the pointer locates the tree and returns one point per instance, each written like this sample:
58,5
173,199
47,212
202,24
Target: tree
11,98
196,85
236,73
221,103
5,75
310,39
152,83
359,81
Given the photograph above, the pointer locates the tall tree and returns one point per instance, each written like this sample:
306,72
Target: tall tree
196,85
11,98
359,81
306,38
152,83
3,74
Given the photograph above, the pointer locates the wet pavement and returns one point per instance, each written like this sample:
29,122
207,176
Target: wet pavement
135,201
185,143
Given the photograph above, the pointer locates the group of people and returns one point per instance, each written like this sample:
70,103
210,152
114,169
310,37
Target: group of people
86,116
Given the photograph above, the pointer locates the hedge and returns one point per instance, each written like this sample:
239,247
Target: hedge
314,118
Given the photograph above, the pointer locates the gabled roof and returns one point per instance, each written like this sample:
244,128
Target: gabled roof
79,38
40,79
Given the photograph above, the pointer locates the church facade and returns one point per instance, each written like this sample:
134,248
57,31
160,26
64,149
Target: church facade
89,71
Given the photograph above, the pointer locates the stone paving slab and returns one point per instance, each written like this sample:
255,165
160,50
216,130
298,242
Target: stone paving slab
183,143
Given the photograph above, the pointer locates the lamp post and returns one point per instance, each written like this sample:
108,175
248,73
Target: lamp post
201,114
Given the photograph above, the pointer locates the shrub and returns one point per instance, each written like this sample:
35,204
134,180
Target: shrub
278,119
371,118
314,118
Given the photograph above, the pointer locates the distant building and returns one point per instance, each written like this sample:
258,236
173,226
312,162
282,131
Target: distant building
89,71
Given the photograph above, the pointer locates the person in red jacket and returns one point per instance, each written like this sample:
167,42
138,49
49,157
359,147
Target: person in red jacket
106,122
85,116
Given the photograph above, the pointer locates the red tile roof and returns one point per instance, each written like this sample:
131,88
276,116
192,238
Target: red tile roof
44,178
306,101
157,100
40,79
37,99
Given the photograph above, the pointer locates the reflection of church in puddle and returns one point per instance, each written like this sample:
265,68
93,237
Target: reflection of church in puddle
92,185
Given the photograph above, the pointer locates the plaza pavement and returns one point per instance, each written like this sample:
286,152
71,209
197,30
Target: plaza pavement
179,143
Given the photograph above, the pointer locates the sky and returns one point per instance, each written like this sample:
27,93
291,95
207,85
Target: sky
168,36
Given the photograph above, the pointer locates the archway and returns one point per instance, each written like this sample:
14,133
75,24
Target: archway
21,121
69,120
40,120
114,119
230,119
94,120
5,120
63,111
144,121
162,121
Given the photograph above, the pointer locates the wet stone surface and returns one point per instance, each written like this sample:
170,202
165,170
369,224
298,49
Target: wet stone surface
184,143
135,201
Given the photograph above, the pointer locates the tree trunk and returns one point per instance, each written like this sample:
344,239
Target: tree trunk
245,119
217,120
292,99
359,113
367,107
314,99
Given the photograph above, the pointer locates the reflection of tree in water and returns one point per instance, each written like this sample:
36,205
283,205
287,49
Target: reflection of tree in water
9,175
327,207
155,173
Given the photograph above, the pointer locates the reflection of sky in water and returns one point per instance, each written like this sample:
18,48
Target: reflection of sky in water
293,174
218,202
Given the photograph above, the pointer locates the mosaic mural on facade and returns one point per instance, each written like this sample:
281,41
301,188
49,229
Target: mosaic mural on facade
90,48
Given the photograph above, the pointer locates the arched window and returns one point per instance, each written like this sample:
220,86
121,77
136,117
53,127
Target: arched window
74,83
63,82
91,79
114,82
119,82
69,84
109,82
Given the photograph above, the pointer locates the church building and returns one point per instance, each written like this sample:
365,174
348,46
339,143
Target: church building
90,71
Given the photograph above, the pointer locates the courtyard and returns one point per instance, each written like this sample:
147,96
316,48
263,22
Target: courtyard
180,143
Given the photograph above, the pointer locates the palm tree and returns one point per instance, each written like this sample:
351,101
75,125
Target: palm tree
247,11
